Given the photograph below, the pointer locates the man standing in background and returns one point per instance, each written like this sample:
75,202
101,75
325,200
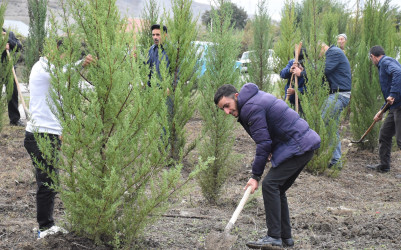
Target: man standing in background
13,112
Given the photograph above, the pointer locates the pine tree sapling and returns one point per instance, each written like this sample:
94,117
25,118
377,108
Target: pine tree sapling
180,50
113,154
6,75
37,33
376,29
314,99
259,68
218,128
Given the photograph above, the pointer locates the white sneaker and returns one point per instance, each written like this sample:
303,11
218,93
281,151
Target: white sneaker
52,230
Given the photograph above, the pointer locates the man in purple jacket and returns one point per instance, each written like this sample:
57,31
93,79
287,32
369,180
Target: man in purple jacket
280,136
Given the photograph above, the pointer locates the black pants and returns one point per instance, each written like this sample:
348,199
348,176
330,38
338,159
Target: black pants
274,186
44,195
13,112
390,127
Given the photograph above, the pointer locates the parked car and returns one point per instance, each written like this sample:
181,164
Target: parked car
245,60
201,52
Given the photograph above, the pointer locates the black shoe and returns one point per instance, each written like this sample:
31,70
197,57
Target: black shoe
379,168
288,242
267,241
19,123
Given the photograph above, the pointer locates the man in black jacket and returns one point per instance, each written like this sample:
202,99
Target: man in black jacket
13,113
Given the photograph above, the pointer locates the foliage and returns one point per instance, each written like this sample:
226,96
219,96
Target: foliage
113,176
247,37
181,51
330,21
260,66
218,128
377,29
6,76
238,16
289,35
332,15
150,16
315,97
37,33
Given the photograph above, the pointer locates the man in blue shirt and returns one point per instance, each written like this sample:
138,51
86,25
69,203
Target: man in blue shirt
154,61
390,83
338,74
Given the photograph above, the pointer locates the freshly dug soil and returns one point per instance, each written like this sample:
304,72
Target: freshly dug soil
359,209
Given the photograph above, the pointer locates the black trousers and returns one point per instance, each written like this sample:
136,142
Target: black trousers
277,181
13,112
44,195
391,126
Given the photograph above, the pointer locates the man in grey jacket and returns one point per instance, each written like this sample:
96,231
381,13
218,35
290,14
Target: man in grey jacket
390,83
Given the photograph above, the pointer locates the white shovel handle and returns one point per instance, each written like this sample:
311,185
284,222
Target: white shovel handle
238,210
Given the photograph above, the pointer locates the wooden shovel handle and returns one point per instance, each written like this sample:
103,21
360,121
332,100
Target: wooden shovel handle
372,125
238,210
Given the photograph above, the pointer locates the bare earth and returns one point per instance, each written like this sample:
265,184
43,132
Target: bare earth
357,210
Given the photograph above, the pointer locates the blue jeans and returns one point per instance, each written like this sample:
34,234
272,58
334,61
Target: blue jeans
336,107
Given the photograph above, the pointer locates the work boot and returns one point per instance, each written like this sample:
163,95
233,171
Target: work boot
267,241
288,242
379,168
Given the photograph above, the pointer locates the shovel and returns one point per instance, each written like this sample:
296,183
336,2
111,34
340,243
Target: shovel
225,240
372,125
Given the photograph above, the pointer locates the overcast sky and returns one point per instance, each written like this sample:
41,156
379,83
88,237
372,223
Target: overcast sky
275,6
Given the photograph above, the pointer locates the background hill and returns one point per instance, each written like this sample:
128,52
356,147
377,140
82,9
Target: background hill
18,9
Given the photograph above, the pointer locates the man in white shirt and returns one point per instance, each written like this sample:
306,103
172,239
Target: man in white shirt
43,123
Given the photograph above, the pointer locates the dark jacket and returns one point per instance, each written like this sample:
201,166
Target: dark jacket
275,128
14,44
286,74
337,70
390,79
154,61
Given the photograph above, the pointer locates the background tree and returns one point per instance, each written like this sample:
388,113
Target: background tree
181,51
218,128
330,22
37,33
289,35
238,16
260,66
367,98
149,16
113,180
6,77
314,98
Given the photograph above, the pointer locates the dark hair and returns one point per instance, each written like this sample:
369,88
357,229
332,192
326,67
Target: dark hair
157,26
225,90
376,51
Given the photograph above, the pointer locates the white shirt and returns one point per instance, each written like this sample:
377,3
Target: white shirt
40,104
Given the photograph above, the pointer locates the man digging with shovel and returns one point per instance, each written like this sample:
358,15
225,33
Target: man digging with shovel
390,83
280,136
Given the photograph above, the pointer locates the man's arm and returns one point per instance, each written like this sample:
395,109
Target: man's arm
394,70
285,73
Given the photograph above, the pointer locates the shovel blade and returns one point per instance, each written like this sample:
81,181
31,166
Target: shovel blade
217,240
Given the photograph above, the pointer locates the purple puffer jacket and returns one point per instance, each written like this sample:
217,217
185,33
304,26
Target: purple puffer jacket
275,128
